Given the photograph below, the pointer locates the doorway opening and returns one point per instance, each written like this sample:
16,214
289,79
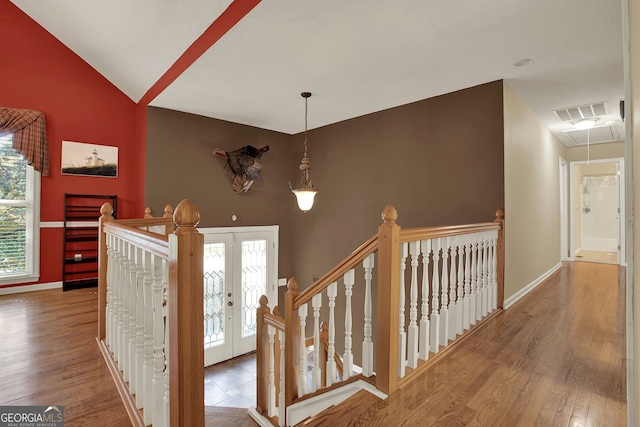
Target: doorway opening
597,211
240,265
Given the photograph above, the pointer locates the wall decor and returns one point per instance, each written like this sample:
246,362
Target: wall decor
79,158
243,164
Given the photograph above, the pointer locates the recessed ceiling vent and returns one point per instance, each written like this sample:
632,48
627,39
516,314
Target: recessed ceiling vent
576,113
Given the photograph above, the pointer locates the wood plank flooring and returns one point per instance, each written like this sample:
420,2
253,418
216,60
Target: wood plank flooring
555,358
49,356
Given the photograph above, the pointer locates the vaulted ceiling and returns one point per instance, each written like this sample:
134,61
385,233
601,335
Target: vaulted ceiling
247,61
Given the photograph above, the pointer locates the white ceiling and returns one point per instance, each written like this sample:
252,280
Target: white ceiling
356,56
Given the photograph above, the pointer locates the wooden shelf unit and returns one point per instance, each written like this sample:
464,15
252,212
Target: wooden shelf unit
80,241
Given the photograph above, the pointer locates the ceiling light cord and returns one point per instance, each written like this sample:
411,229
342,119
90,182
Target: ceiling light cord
588,148
305,125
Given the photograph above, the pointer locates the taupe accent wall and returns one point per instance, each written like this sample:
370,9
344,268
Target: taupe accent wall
180,164
437,161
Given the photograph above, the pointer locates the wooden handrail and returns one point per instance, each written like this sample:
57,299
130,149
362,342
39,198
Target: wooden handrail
154,243
337,272
184,296
423,233
273,320
146,222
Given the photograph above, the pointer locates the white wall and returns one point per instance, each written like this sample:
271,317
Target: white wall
633,130
532,195
608,150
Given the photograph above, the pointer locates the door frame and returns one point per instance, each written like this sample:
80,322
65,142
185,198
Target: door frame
622,257
231,236
565,250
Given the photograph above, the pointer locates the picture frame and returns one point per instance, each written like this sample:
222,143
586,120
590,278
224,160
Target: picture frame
80,158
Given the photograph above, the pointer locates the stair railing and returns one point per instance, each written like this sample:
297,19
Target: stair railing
150,305
446,278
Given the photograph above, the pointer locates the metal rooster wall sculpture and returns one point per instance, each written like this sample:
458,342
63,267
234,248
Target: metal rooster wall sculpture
243,164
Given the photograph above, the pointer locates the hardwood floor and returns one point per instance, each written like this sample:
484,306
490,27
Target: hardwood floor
50,356
555,358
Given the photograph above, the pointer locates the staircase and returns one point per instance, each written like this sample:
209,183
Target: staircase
429,287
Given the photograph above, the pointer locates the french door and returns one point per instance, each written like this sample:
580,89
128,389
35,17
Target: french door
239,267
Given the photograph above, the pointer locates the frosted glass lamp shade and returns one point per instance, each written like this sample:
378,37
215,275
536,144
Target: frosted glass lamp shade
305,198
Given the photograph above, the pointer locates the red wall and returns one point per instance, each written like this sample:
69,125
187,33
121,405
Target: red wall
38,72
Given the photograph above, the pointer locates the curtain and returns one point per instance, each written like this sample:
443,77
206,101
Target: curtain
29,131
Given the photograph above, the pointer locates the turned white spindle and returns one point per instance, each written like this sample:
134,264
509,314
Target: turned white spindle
423,344
460,300
126,315
494,282
118,306
444,310
110,281
402,335
349,280
332,292
485,274
117,300
435,298
453,296
158,338
281,408
316,372
479,282
139,337
367,343
133,322
412,335
302,379
148,336
271,386
167,353
474,281
467,283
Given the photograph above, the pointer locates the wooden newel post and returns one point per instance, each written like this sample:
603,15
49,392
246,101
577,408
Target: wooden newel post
500,255
291,343
186,319
388,300
262,358
106,212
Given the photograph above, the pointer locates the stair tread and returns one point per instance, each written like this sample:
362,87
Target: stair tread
347,410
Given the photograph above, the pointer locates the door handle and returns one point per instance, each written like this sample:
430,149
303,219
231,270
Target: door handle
230,303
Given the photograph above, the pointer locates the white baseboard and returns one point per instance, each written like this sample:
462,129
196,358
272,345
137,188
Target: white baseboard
30,288
522,292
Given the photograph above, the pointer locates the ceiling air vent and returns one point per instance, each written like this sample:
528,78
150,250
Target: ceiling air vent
584,111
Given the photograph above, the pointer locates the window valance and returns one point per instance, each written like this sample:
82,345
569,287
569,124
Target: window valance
29,131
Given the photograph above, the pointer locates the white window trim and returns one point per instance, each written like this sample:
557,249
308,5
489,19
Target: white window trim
33,235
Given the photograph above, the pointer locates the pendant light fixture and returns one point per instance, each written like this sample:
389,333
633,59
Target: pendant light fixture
304,191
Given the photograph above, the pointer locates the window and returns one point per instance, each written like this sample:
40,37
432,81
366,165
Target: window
19,217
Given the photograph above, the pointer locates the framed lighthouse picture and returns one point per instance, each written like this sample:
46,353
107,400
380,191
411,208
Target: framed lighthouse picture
79,158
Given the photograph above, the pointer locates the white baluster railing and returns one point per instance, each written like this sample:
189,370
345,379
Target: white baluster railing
456,287
402,335
435,298
424,345
134,321
413,333
349,280
367,343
